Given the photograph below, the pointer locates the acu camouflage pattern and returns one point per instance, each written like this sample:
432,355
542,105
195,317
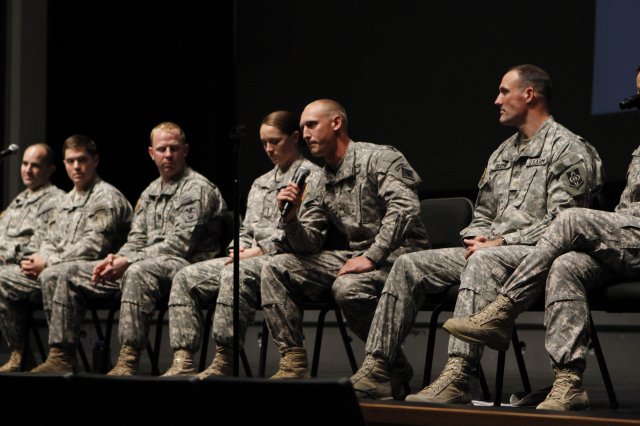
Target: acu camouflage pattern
582,250
88,225
520,193
371,199
24,222
174,224
181,218
197,286
85,227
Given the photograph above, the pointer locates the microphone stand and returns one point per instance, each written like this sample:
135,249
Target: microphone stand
236,134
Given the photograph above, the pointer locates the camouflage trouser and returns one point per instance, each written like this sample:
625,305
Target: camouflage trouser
68,301
15,289
288,280
610,238
248,301
566,318
193,288
143,284
415,276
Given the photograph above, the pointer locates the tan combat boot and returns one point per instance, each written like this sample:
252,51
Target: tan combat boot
222,364
293,365
451,387
13,365
492,326
59,360
127,364
373,379
182,364
567,392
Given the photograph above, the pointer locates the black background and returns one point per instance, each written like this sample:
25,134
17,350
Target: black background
419,75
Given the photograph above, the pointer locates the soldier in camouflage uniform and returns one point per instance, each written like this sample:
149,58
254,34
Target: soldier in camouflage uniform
88,221
582,250
530,178
368,192
22,227
197,285
176,221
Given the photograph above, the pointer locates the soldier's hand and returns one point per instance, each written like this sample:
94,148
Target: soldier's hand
357,265
291,194
33,265
478,243
110,269
245,253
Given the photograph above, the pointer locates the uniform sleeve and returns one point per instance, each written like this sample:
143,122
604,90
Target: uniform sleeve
485,210
46,214
631,194
306,233
567,187
396,181
102,225
137,238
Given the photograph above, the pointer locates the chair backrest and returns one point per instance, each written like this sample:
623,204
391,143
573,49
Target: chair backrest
444,218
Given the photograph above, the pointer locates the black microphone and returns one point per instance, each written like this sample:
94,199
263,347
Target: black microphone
12,149
630,102
299,177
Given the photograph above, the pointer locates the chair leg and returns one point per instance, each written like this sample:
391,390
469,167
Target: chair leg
155,362
431,343
83,357
486,394
264,342
346,339
245,363
318,343
38,340
613,401
206,333
497,401
522,368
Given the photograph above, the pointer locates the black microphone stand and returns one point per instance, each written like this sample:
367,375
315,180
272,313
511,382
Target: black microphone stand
236,135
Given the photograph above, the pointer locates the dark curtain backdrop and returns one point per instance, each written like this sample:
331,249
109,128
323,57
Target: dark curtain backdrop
419,75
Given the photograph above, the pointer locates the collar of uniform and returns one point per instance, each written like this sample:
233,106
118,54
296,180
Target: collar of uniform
346,168
79,199
157,188
534,146
31,197
281,180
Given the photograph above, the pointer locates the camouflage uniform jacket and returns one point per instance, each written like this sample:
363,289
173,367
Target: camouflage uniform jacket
630,198
24,222
371,198
87,225
522,191
260,225
180,219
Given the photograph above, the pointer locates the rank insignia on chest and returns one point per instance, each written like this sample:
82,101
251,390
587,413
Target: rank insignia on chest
574,178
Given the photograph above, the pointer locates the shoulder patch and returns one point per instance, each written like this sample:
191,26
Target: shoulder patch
575,178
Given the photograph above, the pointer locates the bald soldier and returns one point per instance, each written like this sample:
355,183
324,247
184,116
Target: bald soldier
22,227
90,220
532,176
368,192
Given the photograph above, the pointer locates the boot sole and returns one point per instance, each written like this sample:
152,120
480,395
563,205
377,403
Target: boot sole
455,332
